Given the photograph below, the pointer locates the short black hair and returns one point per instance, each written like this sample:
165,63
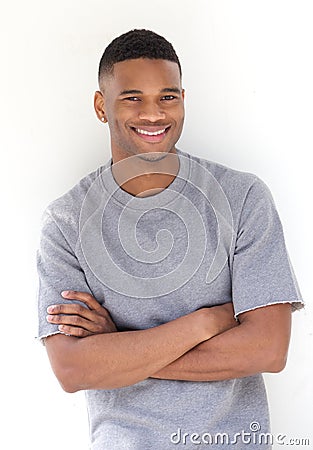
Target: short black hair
136,44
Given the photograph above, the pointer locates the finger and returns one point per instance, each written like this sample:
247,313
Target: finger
84,297
71,308
75,321
74,331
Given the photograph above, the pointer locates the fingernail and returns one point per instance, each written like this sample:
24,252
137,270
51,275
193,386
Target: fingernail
50,308
49,318
65,293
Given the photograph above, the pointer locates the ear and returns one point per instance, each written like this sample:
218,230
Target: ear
100,106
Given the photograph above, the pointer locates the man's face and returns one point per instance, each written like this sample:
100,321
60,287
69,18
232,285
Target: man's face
144,104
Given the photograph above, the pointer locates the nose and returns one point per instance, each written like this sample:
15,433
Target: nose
151,112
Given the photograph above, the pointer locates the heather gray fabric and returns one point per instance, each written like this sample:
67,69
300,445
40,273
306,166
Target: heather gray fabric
160,414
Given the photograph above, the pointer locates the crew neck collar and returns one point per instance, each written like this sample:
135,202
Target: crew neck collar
162,198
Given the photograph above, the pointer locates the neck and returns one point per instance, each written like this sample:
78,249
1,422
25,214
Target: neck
141,177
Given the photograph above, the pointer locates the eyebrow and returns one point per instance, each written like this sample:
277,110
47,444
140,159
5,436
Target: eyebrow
176,90
172,89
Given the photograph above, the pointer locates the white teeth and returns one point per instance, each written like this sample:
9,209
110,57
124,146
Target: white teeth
150,133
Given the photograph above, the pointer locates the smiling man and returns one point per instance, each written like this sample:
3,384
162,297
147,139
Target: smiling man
153,114
165,286
133,125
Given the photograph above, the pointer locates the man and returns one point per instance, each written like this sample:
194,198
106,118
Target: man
165,276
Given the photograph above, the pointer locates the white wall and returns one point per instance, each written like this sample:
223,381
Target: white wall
248,77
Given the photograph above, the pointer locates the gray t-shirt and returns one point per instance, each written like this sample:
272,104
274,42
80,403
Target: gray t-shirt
213,236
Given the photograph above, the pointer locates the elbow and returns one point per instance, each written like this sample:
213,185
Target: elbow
65,362
275,355
71,380
277,362
267,361
67,380
70,388
278,365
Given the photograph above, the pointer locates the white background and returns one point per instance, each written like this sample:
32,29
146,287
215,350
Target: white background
247,71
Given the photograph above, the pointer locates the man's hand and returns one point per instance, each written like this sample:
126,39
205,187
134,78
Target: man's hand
78,321
75,320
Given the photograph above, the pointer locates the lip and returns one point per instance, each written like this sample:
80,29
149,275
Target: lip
152,138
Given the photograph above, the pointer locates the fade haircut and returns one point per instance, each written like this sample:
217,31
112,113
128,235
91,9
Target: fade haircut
136,44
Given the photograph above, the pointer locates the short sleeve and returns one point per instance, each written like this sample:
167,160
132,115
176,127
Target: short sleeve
262,273
58,270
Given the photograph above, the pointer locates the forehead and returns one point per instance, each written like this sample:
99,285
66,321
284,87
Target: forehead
144,74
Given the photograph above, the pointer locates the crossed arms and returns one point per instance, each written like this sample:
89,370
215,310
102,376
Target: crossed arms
205,345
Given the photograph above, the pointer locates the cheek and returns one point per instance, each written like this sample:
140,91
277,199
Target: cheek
119,129
179,117
115,117
121,116
178,113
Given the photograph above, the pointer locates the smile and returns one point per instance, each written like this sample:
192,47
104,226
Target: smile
150,133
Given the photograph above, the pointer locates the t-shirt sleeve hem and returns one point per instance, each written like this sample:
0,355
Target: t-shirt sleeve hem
296,305
41,338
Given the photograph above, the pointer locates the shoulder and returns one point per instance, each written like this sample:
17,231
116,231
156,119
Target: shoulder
64,211
236,184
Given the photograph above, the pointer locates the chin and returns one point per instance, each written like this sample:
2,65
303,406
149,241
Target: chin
153,156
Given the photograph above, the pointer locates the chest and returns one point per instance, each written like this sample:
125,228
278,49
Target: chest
152,267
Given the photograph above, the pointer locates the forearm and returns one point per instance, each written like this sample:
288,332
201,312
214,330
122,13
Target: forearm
223,357
239,352
111,360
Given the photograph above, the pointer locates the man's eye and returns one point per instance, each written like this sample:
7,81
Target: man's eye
132,99
168,97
